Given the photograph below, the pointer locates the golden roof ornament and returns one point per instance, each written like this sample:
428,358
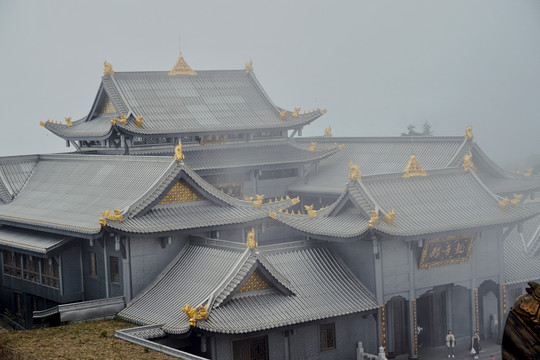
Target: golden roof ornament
503,204
312,146
413,168
389,217
259,200
295,200
296,111
468,132
249,66
272,214
102,222
528,172
311,213
251,243
195,315
467,162
138,121
248,198
108,69
516,200
68,121
328,131
354,173
114,120
374,219
282,114
323,111
116,215
178,155
181,67
122,119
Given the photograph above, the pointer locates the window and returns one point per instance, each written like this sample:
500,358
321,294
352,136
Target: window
255,348
327,336
93,264
115,273
49,273
31,268
12,264
278,174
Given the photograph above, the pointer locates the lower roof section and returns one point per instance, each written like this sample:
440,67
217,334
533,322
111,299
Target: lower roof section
33,241
323,288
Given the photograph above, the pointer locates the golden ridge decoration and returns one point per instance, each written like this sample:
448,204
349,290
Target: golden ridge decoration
248,198
138,121
249,66
311,213
42,123
114,120
467,162
195,315
295,200
273,214
108,69
503,204
389,218
454,249
68,121
323,111
516,200
328,131
102,222
354,173
181,68
413,168
296,111
259,200
374,219
528,172
251,243
116,215
282,114
312,146
468,133
178,155
122,119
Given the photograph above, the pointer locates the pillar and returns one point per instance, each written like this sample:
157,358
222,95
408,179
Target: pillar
475,311
413,330
382,326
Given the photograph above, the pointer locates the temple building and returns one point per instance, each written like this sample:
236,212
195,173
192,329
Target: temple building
193,208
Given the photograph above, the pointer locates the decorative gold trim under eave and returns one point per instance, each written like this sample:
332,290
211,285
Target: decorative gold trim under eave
468,133
413,168
181,67
108,70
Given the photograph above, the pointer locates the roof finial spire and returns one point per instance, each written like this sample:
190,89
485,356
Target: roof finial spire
181,67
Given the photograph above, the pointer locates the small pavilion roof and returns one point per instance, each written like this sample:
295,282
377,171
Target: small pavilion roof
244,155
217,101
521,259
447,200
308,282
376,156
31,241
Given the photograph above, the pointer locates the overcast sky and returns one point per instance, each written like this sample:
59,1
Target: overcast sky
376,65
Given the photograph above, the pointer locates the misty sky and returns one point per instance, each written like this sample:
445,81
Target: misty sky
376,65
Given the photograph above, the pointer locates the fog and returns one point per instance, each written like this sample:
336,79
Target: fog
377,66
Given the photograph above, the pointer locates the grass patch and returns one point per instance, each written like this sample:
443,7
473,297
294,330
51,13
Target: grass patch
88,340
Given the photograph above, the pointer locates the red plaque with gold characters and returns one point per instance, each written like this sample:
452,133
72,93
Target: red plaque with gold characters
453,249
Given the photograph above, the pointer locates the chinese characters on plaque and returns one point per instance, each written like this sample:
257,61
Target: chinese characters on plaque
443,251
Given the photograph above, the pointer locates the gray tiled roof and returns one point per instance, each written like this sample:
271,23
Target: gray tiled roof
521,261
323,287
14,173
252,154
28,240
447,200
99,128
217,208
68,192
378,155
